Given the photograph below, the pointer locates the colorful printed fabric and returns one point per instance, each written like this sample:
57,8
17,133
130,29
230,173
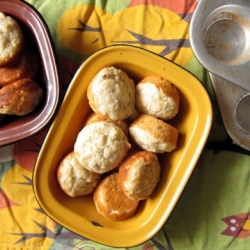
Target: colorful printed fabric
214,209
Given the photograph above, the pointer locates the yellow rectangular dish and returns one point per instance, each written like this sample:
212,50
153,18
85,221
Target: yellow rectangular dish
193,122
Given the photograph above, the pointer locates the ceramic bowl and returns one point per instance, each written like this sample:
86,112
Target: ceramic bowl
193,123
37,36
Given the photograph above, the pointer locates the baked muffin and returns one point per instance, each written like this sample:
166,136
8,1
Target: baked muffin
25,67
153,134
20,97
74,179
111,202
112,93
93,117
101,146
158,97
11,39
139,174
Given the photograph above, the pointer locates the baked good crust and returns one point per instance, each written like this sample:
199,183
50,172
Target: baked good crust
101,146
25,67
111,93
158,97
11,39
153,134
74,179
20,97
111,202
139,175
93,117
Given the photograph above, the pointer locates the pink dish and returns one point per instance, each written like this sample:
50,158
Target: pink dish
37,35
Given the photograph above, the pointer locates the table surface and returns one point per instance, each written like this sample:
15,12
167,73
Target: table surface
212,212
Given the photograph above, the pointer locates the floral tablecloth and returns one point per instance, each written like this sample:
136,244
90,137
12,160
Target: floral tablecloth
214,209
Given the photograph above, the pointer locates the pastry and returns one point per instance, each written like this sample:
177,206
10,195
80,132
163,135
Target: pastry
110,200
112,93
11,39
93,117
139,174
25,67
158,97
20,97
74,179
101,146
153,134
